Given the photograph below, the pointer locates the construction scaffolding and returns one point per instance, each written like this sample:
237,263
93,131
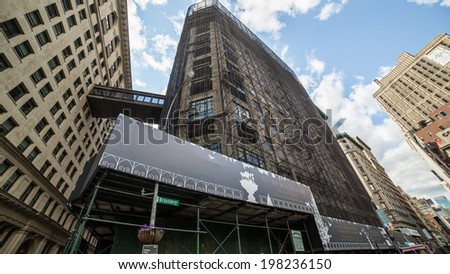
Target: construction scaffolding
242,100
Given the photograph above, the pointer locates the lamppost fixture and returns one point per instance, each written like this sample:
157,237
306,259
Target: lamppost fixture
190,75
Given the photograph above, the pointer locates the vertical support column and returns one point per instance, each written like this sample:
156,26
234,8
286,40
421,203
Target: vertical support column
72,234
80,229
198,230
154,204
309,239
268,235
238,234
289,233
40,246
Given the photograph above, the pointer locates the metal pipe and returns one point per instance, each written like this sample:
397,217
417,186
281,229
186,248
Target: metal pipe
198,230
137,225
238,234
268,235
154,205
80,229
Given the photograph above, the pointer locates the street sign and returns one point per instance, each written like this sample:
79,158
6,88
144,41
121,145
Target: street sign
297,240
168,201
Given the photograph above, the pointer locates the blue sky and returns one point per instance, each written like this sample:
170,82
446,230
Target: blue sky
336,47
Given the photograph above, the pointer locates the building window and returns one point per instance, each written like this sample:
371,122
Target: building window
201,109
67,52
107,24
71,21
269,146
77,43
48,135
241,113
201,86
23,50
81,55
28,107
56,107
4,63
26,142
51,174
67,5
71,105
37,76
12,179
85,72
52,11
92,8
87,35
62,156
8,126
71,65
43,38
57,148
58,29
27,191
17,92
4,167
90,47
67,95
35,152
41,125
82,14
45,90
67,133
60,76
54,62
34,18
250,158
36,197
69,167
61,118
77,82
44,167
11,28
214,147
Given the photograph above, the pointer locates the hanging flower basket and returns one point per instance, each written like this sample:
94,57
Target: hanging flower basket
149,234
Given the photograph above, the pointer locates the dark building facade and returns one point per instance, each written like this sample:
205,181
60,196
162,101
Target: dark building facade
230,93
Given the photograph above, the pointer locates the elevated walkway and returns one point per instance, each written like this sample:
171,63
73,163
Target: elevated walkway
108,102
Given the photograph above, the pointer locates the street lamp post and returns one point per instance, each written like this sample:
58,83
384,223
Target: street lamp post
190,76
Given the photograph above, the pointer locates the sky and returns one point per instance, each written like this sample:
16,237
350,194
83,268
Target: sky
336,48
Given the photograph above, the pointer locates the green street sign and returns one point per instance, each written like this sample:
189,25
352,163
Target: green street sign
168,201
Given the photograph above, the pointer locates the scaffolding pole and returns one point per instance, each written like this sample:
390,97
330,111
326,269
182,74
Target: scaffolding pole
82,225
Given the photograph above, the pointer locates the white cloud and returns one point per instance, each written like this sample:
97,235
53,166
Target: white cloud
423,2
445,3
384,70
163,42
362,114
414,177
330,9
160,57
136,28
178,21
164,64
139,83
315,65
314,69
262,16
143,3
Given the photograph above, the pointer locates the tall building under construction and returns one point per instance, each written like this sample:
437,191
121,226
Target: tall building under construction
232,94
